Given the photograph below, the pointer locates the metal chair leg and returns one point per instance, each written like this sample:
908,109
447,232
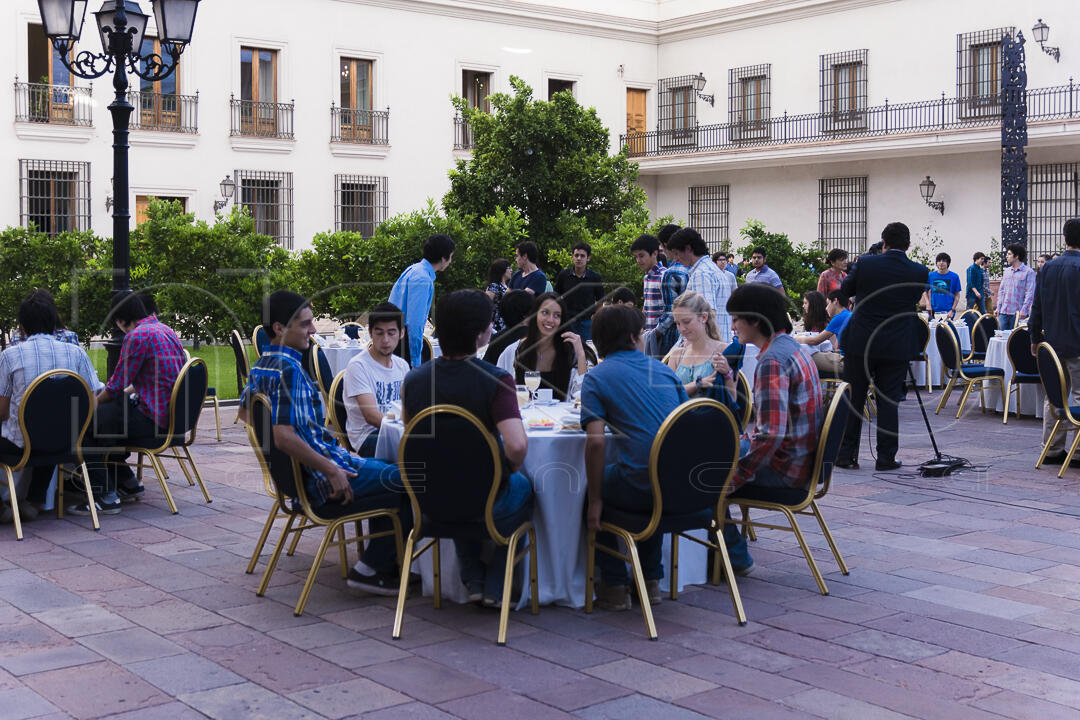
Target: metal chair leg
534,585
674,567
328,536
828,537
14,501
733,588
436,572
217,417
262,537
590,569
963,398
748,527
343,552
89,495
403,586
639,581
155,461
198,475
945,395
1046,445
296,537
274,556
183,468
806,551
1069,456
508,583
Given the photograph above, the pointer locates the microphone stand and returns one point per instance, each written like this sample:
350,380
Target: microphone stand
940,465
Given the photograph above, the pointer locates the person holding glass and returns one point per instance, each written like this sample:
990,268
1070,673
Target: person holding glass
693,361
558,355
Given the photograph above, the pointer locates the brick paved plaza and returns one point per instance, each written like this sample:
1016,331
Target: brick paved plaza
962,602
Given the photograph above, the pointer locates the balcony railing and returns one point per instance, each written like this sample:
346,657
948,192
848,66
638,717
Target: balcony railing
261,119
55,104
924,116
165,113
463,136
367,127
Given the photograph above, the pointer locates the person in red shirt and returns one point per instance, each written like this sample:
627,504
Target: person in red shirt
833,278
150,360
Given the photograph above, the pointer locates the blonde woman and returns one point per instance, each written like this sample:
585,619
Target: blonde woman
699,359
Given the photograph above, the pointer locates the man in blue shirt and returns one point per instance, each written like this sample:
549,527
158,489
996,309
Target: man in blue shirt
831,363
528,276
414,291
762,272
334,480
976,283
633,394
943,289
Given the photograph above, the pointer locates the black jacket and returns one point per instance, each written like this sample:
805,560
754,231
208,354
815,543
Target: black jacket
887,289
1055,313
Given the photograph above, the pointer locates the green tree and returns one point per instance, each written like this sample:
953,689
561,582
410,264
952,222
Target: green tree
798,266
62,265
547,159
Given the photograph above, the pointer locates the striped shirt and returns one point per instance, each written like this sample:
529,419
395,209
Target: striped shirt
62,334
716,286
150,360
295,401
21,364
672,285
654,298
787,393
1017,290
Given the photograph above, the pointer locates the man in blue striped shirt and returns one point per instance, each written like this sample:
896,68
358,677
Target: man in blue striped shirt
333,478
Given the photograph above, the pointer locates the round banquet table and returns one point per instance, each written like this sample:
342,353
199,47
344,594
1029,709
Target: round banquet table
555,464
932,354
1030,396
339,355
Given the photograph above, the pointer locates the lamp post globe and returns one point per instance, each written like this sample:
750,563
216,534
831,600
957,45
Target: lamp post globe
62,19
927,187
1041,32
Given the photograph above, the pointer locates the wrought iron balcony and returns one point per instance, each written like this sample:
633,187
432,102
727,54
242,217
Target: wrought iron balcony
261,119
55,104
907,118
463,136
165,113
367,127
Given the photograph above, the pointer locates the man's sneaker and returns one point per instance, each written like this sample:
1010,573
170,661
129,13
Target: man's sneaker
745,570
491,601
476,592
375,583
612,597
652,589
83,508
131,494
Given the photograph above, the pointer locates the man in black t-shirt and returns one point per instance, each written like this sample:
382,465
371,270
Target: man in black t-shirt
458,377
581,289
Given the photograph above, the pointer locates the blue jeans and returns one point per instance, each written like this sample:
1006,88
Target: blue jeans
512,507
979,304
1006,322
374,478
367,448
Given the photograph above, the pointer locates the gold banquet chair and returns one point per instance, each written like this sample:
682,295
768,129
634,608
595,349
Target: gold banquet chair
691,463
52,436
1057,387
968,375
452,470
185,407
284,475
832,432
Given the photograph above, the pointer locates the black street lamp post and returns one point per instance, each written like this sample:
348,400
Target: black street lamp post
121,24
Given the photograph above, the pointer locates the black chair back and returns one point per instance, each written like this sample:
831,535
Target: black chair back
970,317
278,464
188,396
260,339
337,411
54,414
922,334
1054,381
352,330
426,351
450,465
745,397
693,456
948,345
982,332
832,434
1019,349
243,369
319,369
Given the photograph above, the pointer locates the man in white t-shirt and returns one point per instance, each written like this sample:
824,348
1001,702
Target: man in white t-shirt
373,379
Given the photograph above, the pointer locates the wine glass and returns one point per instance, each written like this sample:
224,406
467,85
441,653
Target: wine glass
523,396
532,382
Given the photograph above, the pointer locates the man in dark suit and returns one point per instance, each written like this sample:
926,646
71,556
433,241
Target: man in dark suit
880,340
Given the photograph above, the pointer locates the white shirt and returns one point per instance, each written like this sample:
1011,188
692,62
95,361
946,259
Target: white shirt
21,364
716,286
364,375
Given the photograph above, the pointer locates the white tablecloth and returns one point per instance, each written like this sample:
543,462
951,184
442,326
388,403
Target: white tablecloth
555,464
1030,396
932,354
339,357
750,355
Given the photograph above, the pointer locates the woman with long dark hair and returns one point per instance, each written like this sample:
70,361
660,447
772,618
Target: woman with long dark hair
557,354
498,277
815,314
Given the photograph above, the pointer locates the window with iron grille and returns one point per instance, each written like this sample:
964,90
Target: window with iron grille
54,195
843,91
268,196
1053,198
749,102
360,203
708,213
979,58
842,214
677,110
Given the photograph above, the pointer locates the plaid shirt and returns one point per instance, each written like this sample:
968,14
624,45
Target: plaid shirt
787,393
62,334
150,360
295,401
830,280
1017,290
672,284
716,286
22,364
654,298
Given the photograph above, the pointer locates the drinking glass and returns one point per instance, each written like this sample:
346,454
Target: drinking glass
532,382
523,396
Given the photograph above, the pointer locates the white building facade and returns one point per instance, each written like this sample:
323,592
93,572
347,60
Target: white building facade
336,114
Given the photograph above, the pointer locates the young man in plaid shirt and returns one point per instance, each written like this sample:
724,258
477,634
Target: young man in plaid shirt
778,450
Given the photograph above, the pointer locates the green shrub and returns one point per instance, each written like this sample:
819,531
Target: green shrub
798,266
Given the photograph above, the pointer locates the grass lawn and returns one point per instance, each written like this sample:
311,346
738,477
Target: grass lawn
219,361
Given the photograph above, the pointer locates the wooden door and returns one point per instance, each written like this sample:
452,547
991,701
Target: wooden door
635,120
